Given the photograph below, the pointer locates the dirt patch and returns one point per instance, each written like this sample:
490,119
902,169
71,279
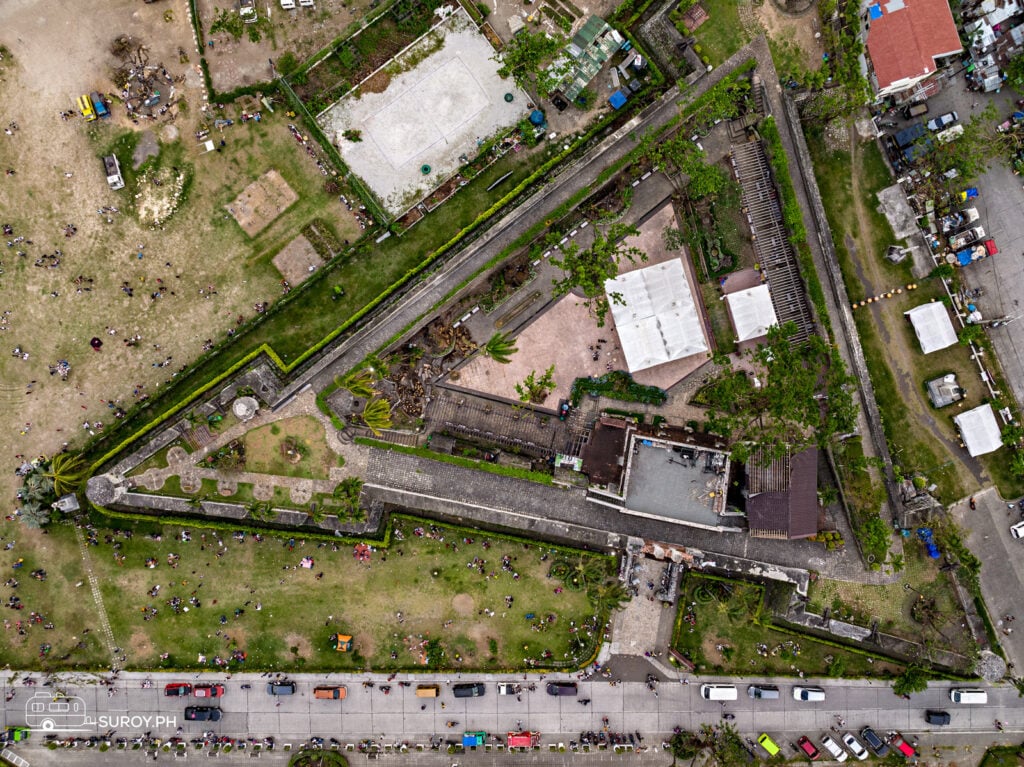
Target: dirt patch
463,604
799,31
261,202
297,260
376,83
709,649
303,648
139,645
234,63
146,148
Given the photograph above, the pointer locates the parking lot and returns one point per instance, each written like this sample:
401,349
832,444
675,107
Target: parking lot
1000,202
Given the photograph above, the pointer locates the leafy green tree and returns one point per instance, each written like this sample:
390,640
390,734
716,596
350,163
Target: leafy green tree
534,389
875,537
589,269
786,410
377,415
913,679
1013,434
528,132
500,348
586,99
527,59
971,334
1017,464
1014,71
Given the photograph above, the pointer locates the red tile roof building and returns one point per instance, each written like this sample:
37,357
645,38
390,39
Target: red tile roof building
905,37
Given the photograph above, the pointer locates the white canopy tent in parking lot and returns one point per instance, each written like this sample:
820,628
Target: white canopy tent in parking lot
933,327
657,319
979,430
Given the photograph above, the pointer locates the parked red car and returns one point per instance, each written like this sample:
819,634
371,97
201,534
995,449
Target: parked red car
177,689
808,747
903,747
208,690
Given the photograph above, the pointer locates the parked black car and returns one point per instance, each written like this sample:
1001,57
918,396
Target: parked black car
469,690
562,688
936,717
202,714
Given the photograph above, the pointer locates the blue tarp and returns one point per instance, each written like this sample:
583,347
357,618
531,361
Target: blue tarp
617,100
964,256
874,12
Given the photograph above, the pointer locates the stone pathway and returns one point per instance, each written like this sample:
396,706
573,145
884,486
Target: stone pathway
182,464
97,595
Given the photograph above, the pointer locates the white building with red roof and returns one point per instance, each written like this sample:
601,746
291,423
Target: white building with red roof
905,41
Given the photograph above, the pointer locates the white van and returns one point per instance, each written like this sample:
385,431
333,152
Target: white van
809,694
718,691
968,695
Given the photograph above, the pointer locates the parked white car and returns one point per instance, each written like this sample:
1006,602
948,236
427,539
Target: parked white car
855,746
1017,530
833,748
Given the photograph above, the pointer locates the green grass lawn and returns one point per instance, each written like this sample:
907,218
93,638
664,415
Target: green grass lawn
1003,756
892,604
311,457
419,588
723,34
724,627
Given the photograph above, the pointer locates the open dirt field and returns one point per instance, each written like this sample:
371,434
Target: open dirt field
297,260
433,113
196,276
304,31
261,202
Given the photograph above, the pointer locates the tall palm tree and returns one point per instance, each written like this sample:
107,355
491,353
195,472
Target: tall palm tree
610,595
500,348
261,511
377,415
67,470
359,383
35,514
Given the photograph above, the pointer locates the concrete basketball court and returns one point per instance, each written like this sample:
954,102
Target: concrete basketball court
430,115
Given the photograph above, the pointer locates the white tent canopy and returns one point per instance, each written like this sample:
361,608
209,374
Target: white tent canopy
659,321
933,327
979,430
752,312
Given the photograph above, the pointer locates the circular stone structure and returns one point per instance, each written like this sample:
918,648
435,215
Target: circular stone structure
245,408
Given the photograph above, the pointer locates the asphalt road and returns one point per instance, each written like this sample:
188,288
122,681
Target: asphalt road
1002,570
401,716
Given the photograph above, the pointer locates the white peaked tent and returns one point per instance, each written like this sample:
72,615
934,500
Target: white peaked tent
933,327
752,312
979,430
659,321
